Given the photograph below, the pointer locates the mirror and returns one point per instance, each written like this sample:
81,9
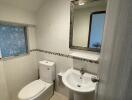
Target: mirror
87,24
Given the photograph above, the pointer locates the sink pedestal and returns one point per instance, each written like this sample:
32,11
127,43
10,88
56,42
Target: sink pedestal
87,96
71,95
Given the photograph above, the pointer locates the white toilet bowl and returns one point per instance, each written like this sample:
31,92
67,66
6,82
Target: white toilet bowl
41,89
36,90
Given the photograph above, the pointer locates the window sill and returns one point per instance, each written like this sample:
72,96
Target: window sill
13,57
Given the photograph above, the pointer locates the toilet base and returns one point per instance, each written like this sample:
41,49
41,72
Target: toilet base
46,95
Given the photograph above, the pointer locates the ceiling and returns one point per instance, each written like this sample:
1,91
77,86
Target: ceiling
92,4
31,5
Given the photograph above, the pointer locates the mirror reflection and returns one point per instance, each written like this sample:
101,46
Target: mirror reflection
87,24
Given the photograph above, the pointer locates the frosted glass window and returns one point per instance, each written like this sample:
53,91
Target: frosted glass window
96,30
13,40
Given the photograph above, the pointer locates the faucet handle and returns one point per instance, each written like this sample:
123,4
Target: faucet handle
95,79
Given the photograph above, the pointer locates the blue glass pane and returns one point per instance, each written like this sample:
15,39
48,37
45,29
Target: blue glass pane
12,40
97,27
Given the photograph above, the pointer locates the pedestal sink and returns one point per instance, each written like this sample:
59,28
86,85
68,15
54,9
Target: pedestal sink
81,85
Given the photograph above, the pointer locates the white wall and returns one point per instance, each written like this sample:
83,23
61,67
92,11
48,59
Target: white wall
53,21
11,14
19,71
3,84
53,26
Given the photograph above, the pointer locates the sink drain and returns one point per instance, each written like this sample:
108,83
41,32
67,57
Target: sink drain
78,85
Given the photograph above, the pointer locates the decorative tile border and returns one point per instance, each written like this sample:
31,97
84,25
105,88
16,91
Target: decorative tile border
32,50
63,55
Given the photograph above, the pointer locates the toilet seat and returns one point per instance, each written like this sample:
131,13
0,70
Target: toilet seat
33,90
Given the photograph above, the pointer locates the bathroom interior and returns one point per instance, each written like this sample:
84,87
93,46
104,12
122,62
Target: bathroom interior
65,49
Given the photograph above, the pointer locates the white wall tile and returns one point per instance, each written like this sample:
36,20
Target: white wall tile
53,23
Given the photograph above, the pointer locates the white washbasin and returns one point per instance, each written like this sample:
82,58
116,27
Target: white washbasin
72,80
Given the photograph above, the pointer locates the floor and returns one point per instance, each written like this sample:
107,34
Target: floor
58,96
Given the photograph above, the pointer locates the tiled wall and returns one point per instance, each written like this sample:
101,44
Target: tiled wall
63,63
53,39
20,70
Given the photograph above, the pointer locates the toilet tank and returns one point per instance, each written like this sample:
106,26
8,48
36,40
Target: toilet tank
47,71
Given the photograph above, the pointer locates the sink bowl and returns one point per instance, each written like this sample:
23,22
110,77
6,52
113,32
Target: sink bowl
76,82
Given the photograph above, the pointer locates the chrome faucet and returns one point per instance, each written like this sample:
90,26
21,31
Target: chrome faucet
82,71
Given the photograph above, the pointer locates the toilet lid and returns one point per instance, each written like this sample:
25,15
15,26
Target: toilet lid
32,89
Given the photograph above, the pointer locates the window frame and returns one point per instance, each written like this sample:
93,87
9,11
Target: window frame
90,28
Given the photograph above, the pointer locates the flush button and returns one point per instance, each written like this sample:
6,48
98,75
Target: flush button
48,68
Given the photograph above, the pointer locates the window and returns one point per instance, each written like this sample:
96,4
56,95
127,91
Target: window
96,30
13,40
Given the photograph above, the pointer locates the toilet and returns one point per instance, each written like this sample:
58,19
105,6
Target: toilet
41,89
